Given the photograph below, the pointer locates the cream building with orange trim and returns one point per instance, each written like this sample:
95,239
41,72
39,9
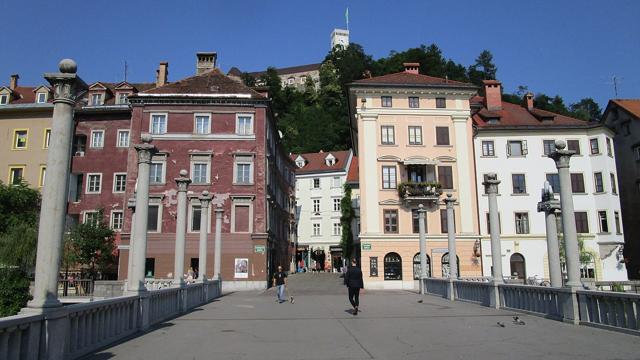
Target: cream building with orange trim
412,128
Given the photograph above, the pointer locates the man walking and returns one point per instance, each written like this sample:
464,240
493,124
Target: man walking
280,282
353,280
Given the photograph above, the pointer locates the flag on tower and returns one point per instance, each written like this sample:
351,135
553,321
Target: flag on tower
346,16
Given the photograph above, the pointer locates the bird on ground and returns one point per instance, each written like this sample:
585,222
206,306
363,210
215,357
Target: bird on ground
516,320
500,324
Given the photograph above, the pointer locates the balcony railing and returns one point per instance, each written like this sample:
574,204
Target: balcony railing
419,190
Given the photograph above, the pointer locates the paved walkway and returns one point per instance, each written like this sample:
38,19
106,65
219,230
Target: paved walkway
392,325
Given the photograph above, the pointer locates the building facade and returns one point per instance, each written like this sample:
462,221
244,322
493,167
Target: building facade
623,117
223,134
413,135
513,141
320,178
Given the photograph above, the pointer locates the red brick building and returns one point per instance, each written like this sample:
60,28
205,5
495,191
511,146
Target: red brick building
224,135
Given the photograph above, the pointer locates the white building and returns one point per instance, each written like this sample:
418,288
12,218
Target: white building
339,37
319,189
512,141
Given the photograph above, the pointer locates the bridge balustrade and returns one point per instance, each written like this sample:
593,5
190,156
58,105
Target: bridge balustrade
609,309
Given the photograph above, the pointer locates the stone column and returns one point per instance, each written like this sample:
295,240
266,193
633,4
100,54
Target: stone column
423,246
491,188
217,261
549,205
451,236
205,200
572,252
464,165
139,251
66,84
181,228
131,204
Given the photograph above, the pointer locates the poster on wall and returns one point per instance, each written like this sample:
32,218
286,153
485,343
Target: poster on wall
241,267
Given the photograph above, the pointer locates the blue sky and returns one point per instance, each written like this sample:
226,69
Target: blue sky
571,48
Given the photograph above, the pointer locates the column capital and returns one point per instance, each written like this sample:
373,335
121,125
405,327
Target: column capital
205,199
449,201
145,150
561,156
421,210
459,118
491,183
548,203
66,84
183,181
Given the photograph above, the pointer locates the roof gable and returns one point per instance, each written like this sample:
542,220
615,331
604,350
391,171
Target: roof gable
124,86
98,86
42,88
210,83
411,79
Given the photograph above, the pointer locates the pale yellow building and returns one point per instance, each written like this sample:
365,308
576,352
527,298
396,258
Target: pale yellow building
25,133
413,138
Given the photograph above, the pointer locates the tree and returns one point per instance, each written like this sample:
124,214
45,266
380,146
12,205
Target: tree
586,109
483,69
14,291
248,79
348,214
92,245
19,208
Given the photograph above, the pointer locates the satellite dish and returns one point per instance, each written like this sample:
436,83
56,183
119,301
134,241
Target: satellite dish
280,134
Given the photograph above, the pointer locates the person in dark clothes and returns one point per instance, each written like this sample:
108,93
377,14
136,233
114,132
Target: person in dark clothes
280,282
353,280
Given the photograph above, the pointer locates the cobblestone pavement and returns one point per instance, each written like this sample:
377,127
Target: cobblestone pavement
392,325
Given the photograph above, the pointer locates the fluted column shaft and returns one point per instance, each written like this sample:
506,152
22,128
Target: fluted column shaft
217,263
205,200
451,237
181,228
491,188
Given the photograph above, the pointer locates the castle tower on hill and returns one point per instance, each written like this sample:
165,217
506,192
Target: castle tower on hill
339,37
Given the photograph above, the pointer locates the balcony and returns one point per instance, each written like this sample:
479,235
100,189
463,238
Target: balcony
419,191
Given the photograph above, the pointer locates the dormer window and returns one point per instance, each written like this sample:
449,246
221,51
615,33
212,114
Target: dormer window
330,160
41,97
300,162
4,99
96,99
123,98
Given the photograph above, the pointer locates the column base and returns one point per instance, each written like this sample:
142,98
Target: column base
40,307
178,283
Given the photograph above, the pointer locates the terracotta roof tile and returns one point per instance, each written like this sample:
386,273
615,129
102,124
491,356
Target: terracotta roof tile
406,78
513,115
111,88
25,95
631,105
316,161
353,176
212,82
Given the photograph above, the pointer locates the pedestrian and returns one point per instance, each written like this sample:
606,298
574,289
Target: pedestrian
280,282
353,281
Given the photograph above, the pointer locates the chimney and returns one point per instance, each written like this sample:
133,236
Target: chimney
162,74
528,101
13,83
412,68
492,94
206,62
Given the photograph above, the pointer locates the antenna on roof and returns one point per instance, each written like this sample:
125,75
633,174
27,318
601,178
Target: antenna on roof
125,70
615,80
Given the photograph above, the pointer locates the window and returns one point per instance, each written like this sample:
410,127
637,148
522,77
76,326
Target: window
445,177
441,103
119,182
444,224
574,145
158,124
373,266
442,135
123,138
200,173
244,125
415,220
392,267
549,146
554,181
416,266
577,183
47,138
388,135
316,183
242,215
43,176
489,224
156,173
599,184
96,99
390,221
389,179
616,218
604,224
517,266
149,267
595,147
415,135
196,217
386,101
316,229
337,229
414,102
123,98
582,222
42,98
522,223
16,174
153,218
91,217
94,183
609,150
335,182
244,170
4,99
446,269
202,124
117,218
336,204
519,185
97,138
517,148
614,188
20,139
588,267
316,205
487,148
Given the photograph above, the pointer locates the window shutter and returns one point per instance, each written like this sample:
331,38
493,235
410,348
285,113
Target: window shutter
524,147
508,149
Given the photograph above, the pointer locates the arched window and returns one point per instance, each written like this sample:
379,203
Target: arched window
518,269
392,267
445,265
416,266
587,267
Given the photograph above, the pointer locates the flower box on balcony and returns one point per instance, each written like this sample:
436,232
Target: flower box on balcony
409,189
